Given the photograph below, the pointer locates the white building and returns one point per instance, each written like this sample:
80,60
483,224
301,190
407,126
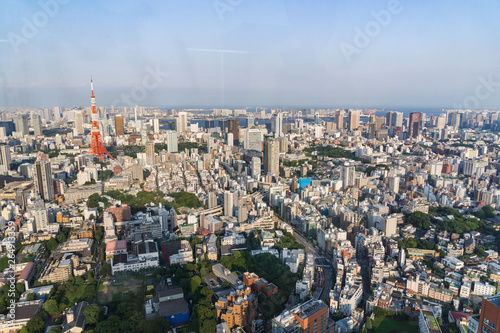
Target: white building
453,263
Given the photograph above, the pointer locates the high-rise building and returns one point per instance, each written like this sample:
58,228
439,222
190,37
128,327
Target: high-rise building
119,127
250,121
36,123
230,198
311,316
233,126
253,139
9,127
181,123
41,217
256,167
414,124
43,180
277,124
339,119
21,122
394,184
4,158
79,123
172,142
150,153
156,125
489,317
272,157
212,200
348,175
229,139
353,120
394,119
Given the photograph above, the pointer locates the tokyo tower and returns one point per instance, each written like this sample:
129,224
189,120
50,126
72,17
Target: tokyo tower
96,145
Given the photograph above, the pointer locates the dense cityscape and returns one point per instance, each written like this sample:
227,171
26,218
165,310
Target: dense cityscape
232,166
138,219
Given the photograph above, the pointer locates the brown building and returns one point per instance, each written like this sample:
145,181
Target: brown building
121,214
259,285
414,124
489,317
119,128
308,317
233,126
237,309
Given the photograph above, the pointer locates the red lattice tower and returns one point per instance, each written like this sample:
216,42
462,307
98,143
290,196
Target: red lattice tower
96,144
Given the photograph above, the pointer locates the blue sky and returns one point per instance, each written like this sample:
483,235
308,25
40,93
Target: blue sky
290,52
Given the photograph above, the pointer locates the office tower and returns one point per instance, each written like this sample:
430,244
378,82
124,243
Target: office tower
230,198
21,122
41,217
156,125
172,143
339,119
181,123
242,210
256,167
9,127
57,113
135,113
36,122
150,153
441,122
233,126
394,119
455,120
253,139
229,139
251,121
79,123
353,120
4,159
43,180
277,124
272,157
311,316
414,124
348,175
212,200
489,317
119,127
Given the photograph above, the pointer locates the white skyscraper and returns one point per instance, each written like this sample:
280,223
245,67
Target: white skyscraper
4,158
229,140
230,198
348,175
156,125
277,124
172,143
256,167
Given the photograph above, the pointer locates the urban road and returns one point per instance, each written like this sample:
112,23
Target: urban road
321,262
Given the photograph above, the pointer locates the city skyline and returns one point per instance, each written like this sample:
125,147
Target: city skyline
220,54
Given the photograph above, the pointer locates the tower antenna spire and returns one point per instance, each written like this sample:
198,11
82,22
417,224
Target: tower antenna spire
96,145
